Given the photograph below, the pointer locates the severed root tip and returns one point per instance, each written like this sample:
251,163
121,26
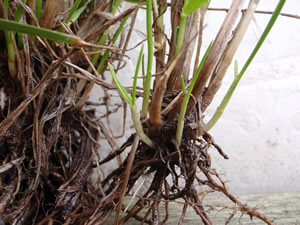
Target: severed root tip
207,137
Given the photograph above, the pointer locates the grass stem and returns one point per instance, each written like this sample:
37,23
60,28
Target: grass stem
180,123
10,45
138,126
38,9
133,95
180,36
147,83
134,111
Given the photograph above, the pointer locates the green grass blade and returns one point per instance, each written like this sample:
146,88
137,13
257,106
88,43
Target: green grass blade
115,38
147,83
73,15
189,7
76,14
11,54
19,12
236,69
6,7
115,6
183,85
264,35
133,1
38,9
192,5
180,33
37,31
103,39
18,16
72,11
92,5
180,123
134,111
143,67
120,87
136,75
235,82
10,45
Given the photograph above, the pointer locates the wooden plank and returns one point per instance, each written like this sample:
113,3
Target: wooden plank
283,208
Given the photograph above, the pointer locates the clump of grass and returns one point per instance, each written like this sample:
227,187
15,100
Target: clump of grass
49,132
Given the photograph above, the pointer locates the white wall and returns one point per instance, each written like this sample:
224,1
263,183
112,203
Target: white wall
260,129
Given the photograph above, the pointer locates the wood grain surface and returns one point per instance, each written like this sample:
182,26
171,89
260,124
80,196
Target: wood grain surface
283,208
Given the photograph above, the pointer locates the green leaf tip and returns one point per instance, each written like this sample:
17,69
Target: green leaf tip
136,75
192,5
120,87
